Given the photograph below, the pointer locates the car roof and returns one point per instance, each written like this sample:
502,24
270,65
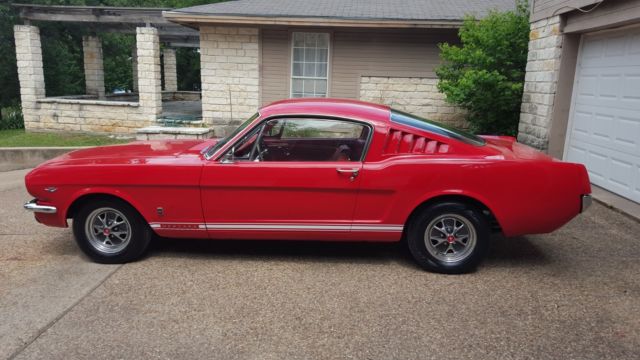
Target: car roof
342,108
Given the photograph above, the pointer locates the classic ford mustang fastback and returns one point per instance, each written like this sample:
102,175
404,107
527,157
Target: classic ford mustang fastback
313,169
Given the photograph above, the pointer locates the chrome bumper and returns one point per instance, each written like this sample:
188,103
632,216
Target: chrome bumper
586,201
33,206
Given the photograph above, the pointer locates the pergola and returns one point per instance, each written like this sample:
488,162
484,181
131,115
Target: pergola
113,19
126,20
150,28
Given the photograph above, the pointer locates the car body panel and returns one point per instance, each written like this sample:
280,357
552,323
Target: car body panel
182,190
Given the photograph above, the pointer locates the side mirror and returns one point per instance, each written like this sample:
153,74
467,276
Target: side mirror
228,158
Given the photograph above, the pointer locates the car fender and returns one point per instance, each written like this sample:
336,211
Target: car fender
108,191
455,192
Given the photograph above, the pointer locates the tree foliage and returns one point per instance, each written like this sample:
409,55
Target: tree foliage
485,73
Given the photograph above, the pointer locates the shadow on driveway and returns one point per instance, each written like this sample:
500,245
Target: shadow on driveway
512,251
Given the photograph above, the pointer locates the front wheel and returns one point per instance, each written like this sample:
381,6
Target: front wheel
448,238
111,232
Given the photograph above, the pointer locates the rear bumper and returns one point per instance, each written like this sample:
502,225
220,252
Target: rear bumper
45,209
586,201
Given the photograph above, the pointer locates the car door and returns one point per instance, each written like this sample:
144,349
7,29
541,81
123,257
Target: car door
288,178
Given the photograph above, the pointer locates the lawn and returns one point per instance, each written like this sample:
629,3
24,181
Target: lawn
17,138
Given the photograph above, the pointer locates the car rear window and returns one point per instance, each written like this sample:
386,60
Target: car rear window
434,127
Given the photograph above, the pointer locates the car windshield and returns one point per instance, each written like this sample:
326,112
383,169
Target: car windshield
431,126
209,152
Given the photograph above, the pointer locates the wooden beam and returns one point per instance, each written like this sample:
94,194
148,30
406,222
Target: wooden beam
163,30
183,45
108,19
189,19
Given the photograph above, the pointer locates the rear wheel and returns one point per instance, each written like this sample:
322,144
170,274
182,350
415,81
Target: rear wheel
449,238
111,232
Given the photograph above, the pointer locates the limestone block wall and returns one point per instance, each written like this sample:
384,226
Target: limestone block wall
92,116
30,70
541,82
415,95
149,75
170,70
93,66
229,61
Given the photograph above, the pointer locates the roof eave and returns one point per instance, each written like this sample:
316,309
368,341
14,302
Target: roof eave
192,20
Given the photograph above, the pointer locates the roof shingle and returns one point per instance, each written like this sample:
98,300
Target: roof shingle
354,9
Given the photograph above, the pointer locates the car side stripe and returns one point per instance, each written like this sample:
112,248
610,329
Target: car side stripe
276,227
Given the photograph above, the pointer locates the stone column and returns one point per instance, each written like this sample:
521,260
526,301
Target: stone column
134,67
170,71
541,82
93,66
149,81
30,71
229,58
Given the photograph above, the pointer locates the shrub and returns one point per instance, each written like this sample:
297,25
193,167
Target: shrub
485,73
11,118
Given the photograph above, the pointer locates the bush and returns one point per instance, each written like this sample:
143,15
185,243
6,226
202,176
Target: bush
485,73
11,118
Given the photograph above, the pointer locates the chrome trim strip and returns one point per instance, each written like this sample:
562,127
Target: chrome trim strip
585,201
377,228
277,227
44,209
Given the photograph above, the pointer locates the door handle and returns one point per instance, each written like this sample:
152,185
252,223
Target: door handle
354,172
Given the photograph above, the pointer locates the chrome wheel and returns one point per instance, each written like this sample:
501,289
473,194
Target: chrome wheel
108,230
450,238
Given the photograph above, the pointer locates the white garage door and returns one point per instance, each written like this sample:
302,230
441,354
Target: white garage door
604,125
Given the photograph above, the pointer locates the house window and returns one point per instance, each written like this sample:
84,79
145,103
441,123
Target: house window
310,64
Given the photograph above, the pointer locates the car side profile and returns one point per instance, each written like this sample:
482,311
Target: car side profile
313,169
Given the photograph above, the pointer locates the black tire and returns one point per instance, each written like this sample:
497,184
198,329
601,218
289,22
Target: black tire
126,251
450,211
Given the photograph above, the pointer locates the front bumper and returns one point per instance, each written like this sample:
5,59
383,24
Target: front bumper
45,209
586,201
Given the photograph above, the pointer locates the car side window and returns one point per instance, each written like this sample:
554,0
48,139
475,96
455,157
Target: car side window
304,139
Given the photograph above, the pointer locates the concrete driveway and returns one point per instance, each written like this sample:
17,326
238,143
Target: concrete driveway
571,294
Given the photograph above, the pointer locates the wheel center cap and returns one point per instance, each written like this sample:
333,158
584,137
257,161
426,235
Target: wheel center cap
106,232
451,239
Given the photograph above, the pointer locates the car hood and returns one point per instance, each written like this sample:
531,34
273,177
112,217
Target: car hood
135,152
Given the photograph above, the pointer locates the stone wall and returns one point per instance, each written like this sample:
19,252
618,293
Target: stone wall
91,116
414,95
30,70
93,66
149,75
170,70
543,64
229,60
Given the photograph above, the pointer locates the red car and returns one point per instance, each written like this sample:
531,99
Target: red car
313,169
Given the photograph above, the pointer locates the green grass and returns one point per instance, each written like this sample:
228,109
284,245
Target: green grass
18,138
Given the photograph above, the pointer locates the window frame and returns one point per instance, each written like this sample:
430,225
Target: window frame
291,62
365,149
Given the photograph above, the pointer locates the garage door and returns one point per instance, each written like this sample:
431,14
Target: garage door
604,125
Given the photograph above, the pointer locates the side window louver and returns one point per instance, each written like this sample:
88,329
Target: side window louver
400,142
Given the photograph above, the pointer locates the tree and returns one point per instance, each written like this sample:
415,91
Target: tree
485,73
